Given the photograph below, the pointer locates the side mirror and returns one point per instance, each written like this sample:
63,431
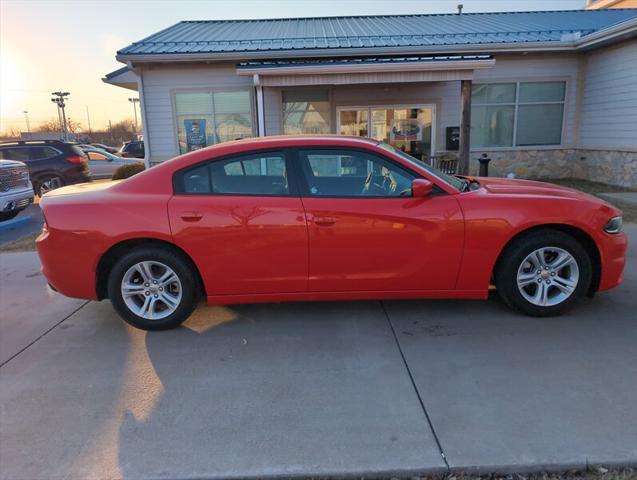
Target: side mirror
421,187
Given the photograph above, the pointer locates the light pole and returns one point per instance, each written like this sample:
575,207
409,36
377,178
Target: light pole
58,98
88,117
134,101
26,117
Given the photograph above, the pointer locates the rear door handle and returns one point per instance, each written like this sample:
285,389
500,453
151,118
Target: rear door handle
324,221
191,216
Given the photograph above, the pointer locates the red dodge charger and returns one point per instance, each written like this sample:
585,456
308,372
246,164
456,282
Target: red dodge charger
322,218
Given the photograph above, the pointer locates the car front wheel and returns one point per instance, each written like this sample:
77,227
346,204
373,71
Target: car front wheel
544,273
153,288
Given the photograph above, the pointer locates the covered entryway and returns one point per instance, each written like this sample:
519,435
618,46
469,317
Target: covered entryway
408,126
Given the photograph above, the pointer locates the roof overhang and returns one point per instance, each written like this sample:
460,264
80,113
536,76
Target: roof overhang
350,71
367,65
123,77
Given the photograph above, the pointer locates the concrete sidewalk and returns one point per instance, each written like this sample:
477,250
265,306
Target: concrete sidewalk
321,389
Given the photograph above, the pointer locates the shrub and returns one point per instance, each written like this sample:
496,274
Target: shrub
129,170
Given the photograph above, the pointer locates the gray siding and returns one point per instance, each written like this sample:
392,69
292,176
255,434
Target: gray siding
609,99
159,85
607,102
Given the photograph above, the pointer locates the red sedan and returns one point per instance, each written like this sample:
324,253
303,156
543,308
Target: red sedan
322,218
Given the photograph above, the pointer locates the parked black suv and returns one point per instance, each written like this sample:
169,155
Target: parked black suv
134,149
51,163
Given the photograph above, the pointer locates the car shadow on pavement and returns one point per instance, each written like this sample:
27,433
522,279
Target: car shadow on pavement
278,389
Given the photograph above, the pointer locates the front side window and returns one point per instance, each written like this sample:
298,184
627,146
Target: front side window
349,173
306,112
252,174
517,114
208,117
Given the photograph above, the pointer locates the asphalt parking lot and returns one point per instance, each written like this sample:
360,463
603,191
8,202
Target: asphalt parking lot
323,389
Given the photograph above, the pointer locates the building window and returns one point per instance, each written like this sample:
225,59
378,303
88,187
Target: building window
306,112
208,117
517,114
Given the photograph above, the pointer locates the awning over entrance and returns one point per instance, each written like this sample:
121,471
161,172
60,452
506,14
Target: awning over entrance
347,71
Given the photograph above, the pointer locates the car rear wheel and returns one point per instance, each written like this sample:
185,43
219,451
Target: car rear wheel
544,274
153,288
47,183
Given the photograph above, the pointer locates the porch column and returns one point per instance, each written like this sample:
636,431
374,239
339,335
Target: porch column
260,106
465,127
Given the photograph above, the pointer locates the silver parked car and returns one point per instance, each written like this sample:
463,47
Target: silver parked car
103,164
16,191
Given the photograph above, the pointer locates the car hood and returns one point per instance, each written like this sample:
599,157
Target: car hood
11,163
531,188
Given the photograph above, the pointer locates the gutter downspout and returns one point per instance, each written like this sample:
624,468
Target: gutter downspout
139,72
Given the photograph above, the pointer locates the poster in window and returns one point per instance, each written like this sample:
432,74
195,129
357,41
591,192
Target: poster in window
195,134
407,129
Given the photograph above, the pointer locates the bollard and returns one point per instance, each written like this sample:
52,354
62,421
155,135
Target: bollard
484,165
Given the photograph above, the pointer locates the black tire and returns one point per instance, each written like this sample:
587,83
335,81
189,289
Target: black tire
512,258
47,179
190,291
4,216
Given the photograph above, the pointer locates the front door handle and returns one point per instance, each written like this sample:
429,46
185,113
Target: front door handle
324,221
191,216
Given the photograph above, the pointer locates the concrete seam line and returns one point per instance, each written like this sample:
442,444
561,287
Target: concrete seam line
50,329
413,384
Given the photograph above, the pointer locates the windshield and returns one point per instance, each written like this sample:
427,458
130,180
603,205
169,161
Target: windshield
455,182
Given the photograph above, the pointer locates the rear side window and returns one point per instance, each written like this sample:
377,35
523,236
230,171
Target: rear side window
254,174
42,153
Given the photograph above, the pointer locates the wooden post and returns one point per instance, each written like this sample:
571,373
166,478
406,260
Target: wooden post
465,127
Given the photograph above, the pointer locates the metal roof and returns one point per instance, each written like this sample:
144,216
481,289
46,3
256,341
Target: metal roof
365,32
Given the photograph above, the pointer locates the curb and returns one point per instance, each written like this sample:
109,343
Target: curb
15,222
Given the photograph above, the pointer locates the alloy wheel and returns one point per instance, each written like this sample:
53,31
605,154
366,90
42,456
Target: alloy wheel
151,290
548,276
50,184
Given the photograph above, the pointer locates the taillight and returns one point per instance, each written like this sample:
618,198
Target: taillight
76,159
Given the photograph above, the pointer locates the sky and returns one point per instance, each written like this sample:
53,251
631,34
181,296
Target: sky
51,45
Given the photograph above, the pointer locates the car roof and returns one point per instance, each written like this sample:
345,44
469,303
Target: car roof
35,143
282,140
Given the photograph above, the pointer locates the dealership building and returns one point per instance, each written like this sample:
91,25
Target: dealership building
543,94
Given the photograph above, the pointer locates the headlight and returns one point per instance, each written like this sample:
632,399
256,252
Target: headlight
614,225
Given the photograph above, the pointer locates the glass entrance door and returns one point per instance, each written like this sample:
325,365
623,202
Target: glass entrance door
408,128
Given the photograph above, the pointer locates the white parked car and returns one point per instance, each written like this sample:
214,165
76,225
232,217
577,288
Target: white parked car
103,164
16,191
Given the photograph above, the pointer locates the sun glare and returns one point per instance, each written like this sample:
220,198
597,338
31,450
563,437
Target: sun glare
11,82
